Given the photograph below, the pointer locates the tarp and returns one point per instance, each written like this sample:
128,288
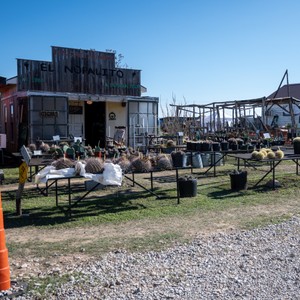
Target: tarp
112,174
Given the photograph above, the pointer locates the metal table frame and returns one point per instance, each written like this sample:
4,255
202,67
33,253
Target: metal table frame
54,182
273,163
37,164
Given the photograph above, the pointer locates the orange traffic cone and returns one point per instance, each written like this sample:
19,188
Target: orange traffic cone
4,266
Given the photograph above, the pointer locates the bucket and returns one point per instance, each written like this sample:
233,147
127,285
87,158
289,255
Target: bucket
205,159
197,160
238,181
216,157
187,188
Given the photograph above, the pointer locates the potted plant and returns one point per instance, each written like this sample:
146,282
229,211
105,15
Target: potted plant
224,145
296,144
238,180
169,147
239,141
187,186
206,145
179,159
97,150
216,146
233,145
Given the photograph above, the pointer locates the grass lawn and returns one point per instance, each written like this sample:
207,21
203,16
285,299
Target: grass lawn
133,219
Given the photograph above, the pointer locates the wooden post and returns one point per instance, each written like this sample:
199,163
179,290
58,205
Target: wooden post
18,199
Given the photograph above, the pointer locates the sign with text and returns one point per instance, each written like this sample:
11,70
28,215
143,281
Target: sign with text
49,114
78,71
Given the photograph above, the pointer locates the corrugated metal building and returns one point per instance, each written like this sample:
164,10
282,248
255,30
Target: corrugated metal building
284,107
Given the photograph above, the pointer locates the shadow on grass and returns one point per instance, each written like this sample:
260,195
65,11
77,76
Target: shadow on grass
224,194
10,180
164,179
210,172
47,213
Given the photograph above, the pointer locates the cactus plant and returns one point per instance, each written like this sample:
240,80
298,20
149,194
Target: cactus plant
254,154
32,147
141,165
44,147
63,163
170,143
94,165
296,139
164,163
89,151
124,163
260,155
279,154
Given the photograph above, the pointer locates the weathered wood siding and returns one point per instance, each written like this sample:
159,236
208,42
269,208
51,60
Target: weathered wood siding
35,75
78,71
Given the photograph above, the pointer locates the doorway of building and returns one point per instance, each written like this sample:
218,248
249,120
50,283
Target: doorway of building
95,124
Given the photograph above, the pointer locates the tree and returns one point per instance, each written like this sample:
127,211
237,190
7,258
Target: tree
118,58
174,121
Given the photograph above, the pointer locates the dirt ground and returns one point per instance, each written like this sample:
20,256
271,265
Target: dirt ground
186,228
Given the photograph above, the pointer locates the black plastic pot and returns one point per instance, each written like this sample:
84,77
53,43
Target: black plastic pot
224,146
168,150
187,188
189,146
238,181
234,146
244,147
240,142
179,159
198,147
250,147
206,147
296,148
216,147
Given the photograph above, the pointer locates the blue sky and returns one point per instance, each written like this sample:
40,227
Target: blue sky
194,51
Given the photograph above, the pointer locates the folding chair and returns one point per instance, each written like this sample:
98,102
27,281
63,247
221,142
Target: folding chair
119,136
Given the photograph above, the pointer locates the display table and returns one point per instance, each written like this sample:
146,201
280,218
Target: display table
111,176
273,163
36,164
216,157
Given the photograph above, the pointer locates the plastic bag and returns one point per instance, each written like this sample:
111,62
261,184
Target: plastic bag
112,174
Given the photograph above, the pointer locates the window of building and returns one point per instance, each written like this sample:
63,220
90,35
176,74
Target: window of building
143,118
